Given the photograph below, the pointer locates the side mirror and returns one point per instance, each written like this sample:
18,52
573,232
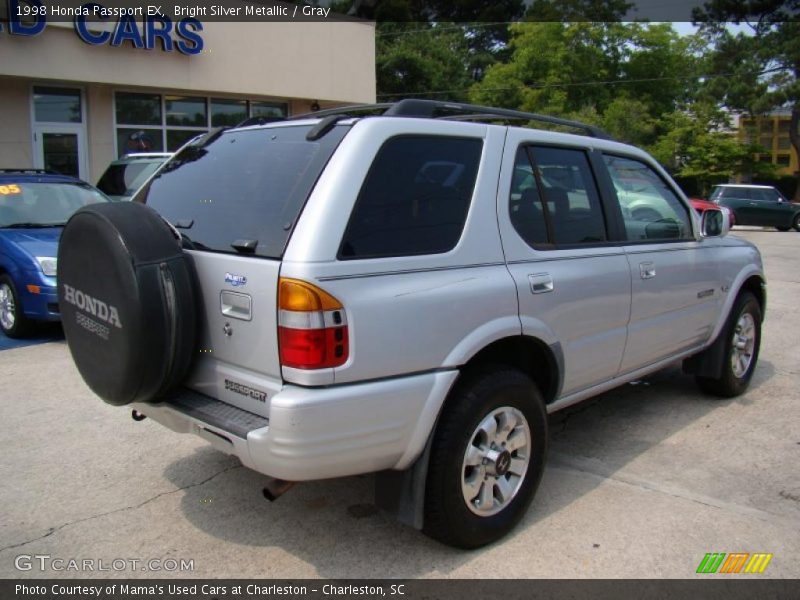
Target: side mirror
715,223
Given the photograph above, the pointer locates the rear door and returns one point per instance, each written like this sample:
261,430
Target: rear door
235,198
675,290
573,284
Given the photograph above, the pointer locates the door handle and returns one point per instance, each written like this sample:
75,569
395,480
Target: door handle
647,270
541,283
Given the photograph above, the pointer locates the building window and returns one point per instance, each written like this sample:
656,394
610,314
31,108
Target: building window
784,143
275,110
186,111
227,113
138,109
783,160
57,105
156,123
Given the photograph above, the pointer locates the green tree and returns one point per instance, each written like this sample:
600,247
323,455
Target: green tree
759,70
421,60
697,144
623,76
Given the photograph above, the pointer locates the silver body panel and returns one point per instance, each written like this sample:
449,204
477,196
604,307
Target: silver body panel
614,311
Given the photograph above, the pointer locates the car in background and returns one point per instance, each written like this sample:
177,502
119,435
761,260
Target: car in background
34,207
702,206
760,205
123,177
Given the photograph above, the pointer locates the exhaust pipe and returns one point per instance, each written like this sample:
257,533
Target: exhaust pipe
137,416
275,488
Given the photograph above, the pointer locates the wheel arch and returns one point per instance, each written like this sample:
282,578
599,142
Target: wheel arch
542,362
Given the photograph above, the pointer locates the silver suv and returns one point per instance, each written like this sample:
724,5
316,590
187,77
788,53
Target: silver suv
405,289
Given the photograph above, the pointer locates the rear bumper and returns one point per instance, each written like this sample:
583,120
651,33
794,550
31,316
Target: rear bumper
318,433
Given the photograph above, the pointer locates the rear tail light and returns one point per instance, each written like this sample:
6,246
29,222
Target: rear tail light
312,327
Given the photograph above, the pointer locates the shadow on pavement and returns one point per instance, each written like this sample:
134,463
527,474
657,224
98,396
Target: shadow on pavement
45,332
334,526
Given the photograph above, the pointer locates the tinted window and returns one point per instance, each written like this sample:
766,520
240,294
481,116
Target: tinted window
524,202
415,198
57,105
764,194
650,209
243,185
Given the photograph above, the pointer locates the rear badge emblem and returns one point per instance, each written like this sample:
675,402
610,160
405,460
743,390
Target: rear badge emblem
227,329
235,280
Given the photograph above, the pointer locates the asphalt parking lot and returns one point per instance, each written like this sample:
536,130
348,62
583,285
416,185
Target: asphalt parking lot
640,482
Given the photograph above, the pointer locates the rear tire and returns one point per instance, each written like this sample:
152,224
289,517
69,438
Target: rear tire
13,321
487,458
742,338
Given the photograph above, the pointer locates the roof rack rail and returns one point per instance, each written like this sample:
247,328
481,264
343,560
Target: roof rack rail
435,109
353,110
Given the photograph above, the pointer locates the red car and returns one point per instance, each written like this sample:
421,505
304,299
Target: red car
702,206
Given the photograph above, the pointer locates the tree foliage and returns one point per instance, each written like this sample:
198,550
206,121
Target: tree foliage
623,76
757,70
697,144
422,60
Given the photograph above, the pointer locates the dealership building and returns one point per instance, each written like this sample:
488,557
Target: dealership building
76,95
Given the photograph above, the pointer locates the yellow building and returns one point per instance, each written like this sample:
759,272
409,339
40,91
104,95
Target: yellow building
772,133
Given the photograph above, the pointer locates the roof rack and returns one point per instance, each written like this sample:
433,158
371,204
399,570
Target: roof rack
456,111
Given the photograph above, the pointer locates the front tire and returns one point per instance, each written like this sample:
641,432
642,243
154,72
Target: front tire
742,338
796,222
487,458
13,321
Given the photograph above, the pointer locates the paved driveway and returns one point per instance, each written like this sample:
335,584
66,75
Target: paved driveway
641,482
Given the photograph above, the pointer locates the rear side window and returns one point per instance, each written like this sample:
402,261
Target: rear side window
415,198
554,198
245,185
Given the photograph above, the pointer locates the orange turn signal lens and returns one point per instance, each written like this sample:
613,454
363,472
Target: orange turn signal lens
34,289
300,296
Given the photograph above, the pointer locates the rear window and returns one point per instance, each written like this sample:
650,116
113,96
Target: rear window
124,179
246,185
415,198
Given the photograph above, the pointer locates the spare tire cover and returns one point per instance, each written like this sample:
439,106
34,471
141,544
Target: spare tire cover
127,300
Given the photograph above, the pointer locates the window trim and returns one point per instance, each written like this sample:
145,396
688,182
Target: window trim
481,140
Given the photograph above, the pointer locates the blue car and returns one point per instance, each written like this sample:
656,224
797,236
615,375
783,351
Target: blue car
34,206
